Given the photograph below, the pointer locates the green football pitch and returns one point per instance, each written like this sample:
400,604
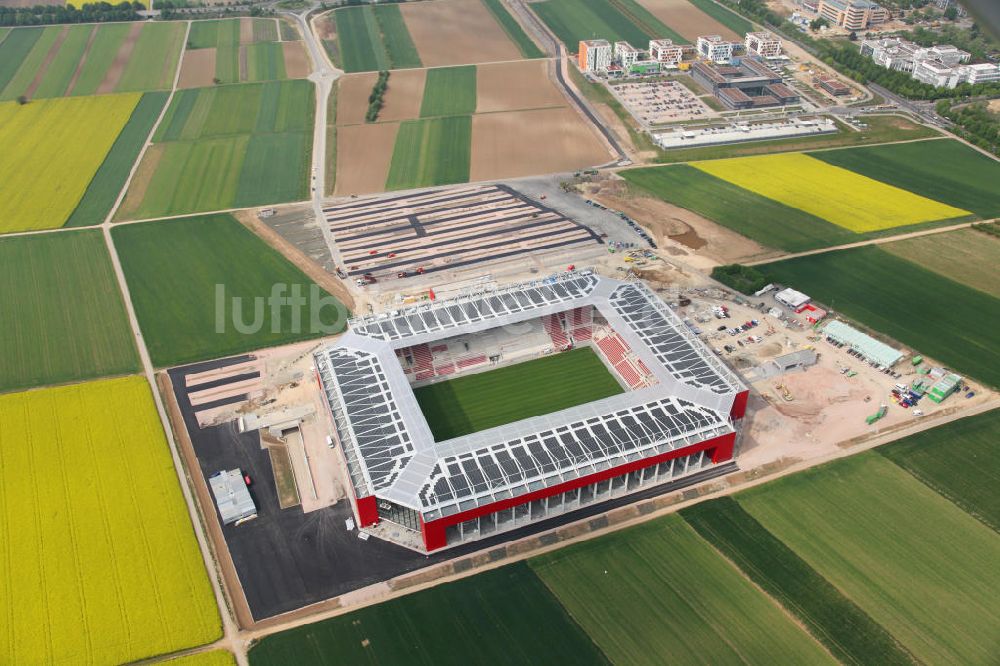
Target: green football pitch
489,399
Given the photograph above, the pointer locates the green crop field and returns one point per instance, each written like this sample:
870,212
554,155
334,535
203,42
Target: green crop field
731,20
64,318
173,269
503,616
846,630
944,170
374,38
525,45
764,220
958,460
205,34
57,75
13,50
659,594
32,63
265,61
950,322
496,397
968,256
428,152
103,50
110,178
264,30
155,58
228,146
449,91
614,20
918,564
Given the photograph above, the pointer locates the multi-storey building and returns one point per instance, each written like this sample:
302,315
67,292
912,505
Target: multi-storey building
594,55
665,52
852,14
715,48
626,55
763,44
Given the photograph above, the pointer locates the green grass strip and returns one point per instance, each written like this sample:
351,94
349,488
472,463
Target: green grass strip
959,460
401,50
60,71
944,170
229,32
359,41
113,172
13,50
203,35
449,91
265,61
155,58
764,220
436,151
837,622
525,45
496,397
948,321
730,19
227,64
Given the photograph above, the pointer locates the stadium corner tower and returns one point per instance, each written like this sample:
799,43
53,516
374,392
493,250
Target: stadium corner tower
675,415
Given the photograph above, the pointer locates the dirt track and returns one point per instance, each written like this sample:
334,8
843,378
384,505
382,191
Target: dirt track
456,32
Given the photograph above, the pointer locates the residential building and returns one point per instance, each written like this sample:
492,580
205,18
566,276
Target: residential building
852,14
665,52
626,55
716,49
763,44
594,55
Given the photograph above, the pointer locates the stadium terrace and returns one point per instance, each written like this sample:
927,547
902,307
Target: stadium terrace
676,413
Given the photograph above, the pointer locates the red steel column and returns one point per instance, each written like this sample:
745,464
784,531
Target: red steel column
433,534
367,511
739,407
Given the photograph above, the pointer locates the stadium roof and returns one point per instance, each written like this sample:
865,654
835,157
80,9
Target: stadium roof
388,444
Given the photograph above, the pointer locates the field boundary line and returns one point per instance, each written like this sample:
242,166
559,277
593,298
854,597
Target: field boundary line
871,241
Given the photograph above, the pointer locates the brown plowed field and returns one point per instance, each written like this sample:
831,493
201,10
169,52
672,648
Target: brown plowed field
352,97
363,156
687,19
456,32
297,63
197,69
404,95
246,31
509,86
521,143
140,181
114,73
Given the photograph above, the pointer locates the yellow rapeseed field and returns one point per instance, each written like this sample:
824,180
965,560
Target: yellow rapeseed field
212,658
98,559
50,150
837,195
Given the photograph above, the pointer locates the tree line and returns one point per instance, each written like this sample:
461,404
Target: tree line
974,123
94,12
375,99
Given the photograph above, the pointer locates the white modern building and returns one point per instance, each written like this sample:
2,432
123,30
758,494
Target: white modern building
665,52
716,49
942,65
626,55
594,55
982,73
764,44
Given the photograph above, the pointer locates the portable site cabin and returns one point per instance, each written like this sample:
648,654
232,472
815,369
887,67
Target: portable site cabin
944,387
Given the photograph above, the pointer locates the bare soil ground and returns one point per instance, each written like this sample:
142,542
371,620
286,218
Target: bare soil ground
49,57
352,97
404,94
687,19
246,31
688,233
197,69
456,32
83,61
114,73
297,64
363,156
244,64
326,27
509,86
993,106
523,143
140,182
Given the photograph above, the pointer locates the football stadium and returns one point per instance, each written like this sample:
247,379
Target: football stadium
462,418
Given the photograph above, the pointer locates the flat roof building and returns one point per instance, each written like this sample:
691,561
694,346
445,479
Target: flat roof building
594,55
875,352
232,496
764,44
791,298
853,14
665,52
715,49
745,84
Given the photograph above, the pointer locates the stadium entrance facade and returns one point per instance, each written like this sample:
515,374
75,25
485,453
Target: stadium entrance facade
674,414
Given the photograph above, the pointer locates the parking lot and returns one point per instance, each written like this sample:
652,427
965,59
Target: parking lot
659,102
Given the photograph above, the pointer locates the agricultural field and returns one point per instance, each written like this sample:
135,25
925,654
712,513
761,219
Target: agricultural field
764,220
105,567
429,152
210,658
613,20
449,91
50,151
502,616
64,318
959,460
657,593
371,38
944,170
489,399
239,50
692,18
848,632
967,256
457,32
915,562
513,29
950,322
226,147
837,195
172,269
56,61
